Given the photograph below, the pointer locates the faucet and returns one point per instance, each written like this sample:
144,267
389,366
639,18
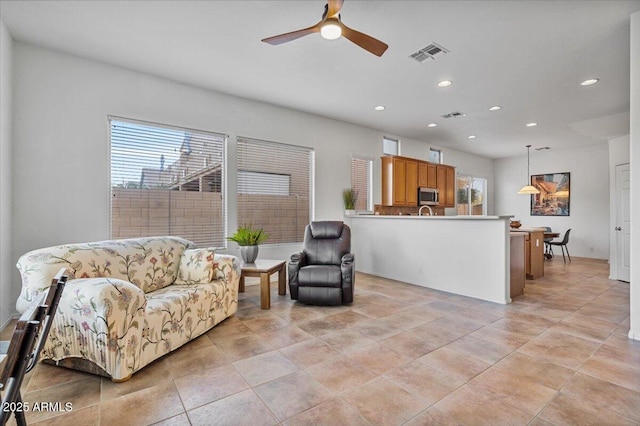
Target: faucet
430,211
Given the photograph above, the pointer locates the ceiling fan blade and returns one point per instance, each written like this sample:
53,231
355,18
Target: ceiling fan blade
334,7
283,38
369,43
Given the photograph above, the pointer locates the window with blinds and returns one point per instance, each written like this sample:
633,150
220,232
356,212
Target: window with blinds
362,182
275,188
167,181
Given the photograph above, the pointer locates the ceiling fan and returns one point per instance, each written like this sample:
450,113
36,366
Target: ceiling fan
331,28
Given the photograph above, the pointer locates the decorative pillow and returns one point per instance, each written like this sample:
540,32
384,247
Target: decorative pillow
196,266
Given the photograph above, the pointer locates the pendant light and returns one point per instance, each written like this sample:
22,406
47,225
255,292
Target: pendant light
528,189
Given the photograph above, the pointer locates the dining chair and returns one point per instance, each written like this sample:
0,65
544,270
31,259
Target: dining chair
548,250
24,348
563,245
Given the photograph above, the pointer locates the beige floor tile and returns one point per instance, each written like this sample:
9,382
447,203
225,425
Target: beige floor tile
46,375
604,395
613,372
241,409
568,410
468,406
210,385
308,353
537,370
378,358
87,416
502,337
179,420
437,335
424,381
340,373
229,329
432,416
331,413
77,394
408,343
265,323
264,367
146,406
291,395
561,349
383,402
244,347
515,390
455,364
189,360
481,349
285,336
151,375
345,340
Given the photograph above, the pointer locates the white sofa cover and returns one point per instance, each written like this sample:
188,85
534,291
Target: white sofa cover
129,302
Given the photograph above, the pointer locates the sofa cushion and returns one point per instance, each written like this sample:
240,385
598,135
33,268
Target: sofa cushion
320,276
196,266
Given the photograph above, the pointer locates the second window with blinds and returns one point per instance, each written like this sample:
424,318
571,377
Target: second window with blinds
362,183
275,188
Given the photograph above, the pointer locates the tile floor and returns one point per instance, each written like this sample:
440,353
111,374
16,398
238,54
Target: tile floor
401,354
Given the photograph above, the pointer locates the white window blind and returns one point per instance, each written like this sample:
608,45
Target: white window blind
167,181
265,169
362,182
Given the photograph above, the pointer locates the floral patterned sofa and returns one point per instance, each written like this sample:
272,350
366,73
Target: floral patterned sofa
129,302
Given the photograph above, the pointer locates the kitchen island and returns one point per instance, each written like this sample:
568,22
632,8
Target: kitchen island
465,255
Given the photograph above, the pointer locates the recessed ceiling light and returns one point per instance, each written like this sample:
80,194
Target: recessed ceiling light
471,137
532,124
432,125
379,108
495,108
590,81
445,83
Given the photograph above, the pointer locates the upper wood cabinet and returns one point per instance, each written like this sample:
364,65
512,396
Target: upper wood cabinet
399,181
446,184
427,175
402,176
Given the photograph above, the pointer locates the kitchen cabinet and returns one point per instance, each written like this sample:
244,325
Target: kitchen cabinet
446,184
399,181
534,252
517,264
427,175
402,176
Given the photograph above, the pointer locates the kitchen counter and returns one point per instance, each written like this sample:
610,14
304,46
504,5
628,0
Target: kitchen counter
466,255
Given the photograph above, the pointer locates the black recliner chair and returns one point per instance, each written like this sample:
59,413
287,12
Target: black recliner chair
324,272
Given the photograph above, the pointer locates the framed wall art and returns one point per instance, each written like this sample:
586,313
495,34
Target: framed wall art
554,196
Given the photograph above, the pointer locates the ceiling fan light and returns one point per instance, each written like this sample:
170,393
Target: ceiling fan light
330,31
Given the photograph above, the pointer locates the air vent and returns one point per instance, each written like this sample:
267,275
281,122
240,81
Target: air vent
432,51
455,114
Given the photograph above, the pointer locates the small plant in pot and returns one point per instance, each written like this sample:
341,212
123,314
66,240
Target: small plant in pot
248,239
349,198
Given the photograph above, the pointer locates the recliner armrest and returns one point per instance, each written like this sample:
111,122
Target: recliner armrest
347,258
299,259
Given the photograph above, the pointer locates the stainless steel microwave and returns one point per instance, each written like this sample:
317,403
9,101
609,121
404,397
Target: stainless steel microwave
428,196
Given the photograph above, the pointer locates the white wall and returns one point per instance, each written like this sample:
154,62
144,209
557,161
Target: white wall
61,104
6,264
589,204
634,332
618,154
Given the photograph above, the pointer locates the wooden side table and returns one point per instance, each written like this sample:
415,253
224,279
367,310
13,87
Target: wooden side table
264,269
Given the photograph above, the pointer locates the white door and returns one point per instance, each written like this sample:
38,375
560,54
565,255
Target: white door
623,222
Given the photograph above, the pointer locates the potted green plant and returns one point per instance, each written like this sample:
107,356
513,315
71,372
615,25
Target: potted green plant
349,198
248,238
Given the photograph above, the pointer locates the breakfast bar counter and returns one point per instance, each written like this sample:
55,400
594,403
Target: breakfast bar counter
465,255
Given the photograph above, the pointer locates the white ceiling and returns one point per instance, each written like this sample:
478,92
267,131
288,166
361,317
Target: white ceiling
527,56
